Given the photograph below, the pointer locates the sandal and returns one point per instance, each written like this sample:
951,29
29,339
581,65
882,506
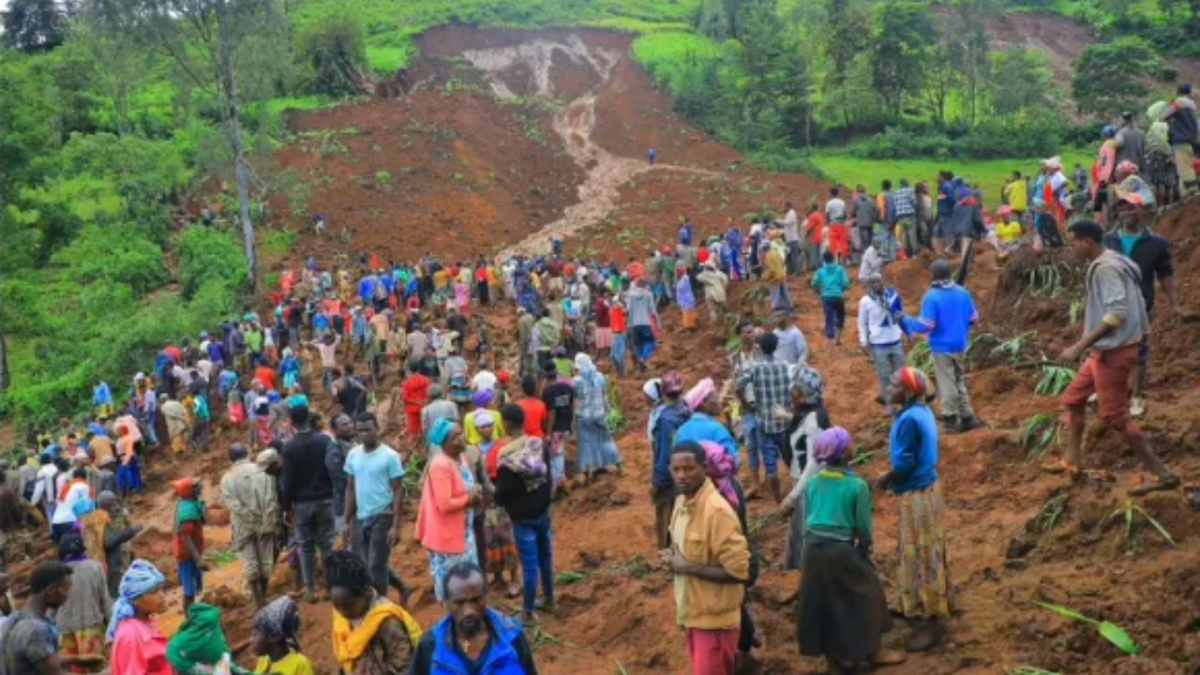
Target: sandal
1163,483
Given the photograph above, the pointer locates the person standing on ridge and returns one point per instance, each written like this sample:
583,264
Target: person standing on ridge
947,314
1115,320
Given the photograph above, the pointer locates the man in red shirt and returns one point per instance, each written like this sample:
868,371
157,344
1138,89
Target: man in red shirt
415,392
536,415
188,539
616,315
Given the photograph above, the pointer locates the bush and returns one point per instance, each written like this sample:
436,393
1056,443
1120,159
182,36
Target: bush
332,55
114,254
207,254
895,143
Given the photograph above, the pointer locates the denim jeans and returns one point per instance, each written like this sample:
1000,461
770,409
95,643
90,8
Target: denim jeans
314,529
835,316
368,538
533,545
770,444
750,439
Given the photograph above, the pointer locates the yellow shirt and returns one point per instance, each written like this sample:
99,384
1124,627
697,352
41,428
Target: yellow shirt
292,664
1008,232
1017,199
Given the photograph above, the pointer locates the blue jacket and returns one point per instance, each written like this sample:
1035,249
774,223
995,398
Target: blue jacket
702,427
947,314
670,419
914,449
831,281
509,653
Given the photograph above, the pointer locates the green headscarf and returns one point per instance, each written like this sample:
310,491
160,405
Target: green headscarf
199,642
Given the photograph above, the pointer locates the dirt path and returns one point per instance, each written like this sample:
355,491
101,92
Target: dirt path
575,123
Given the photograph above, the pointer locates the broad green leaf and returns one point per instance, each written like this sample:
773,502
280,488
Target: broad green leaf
1064,611
1117,635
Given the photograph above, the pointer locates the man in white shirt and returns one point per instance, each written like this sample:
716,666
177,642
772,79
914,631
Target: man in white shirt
793,348
879,332
835,208
63,518
791,236
44,492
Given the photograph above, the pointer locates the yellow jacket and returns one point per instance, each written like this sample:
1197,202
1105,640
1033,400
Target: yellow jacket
713,537
1017,199
775,266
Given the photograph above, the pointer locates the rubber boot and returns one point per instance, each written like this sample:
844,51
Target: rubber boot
776,492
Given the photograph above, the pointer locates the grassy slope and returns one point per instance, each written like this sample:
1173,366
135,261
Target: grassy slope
393,24
989,174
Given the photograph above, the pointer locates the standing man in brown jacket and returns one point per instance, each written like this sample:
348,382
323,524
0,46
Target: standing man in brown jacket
710,559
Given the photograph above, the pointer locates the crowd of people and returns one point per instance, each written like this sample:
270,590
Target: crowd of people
403,353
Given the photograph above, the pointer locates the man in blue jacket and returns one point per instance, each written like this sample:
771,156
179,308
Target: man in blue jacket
947,314
472,637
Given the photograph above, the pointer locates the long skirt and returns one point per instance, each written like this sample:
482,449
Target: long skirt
262,428
597,449
129,476
87,642
440,563
603,338
500,544
923,578
841,611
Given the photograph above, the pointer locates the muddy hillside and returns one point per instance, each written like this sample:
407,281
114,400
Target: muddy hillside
507,139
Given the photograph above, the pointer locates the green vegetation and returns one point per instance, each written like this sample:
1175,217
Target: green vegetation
989,175
1108,630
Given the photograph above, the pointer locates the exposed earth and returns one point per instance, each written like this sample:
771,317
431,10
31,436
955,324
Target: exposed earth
509,137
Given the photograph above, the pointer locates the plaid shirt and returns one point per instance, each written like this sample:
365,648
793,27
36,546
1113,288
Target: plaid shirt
768,384
906,203
589,394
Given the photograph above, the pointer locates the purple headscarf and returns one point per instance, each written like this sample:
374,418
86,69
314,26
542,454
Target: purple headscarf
720,466
831,445
482,398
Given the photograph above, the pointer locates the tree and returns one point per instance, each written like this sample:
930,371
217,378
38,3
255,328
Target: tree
843,40
941,80
968,28
1021,80
722,19
208,40
900,51
333,56
1110,77
34,25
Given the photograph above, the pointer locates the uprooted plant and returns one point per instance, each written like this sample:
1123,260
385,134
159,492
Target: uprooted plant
1118,636
1051,512
1039,433
1055,380
1130,510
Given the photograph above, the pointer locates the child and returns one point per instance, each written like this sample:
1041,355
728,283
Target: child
276,630
189,538
415,390
617,319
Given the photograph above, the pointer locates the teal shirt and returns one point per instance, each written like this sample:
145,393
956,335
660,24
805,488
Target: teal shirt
838,505
1127,242
831,281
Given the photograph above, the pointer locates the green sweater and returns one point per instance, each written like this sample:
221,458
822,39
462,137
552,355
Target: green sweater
831,281
838,505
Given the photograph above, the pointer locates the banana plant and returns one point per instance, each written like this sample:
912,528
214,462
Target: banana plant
1110,631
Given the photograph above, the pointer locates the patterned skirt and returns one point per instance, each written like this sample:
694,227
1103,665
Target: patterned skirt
440,563
87,642
1160,169
499,541
923,579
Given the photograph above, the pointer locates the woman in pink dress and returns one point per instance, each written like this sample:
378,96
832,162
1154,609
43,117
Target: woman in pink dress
138,646
462,297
